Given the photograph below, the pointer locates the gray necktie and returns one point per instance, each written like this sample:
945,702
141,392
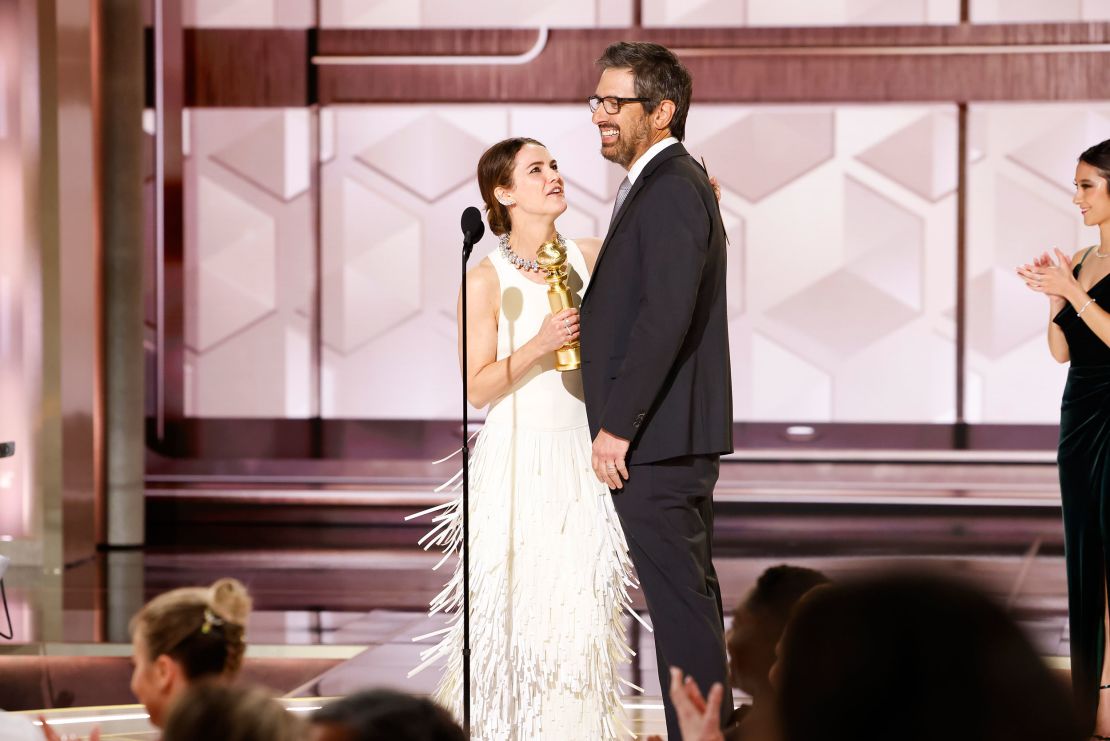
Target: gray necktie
622,193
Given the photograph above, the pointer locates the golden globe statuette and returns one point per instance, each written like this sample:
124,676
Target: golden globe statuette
552,259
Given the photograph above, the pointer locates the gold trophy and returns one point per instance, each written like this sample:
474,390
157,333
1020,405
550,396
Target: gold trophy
552,259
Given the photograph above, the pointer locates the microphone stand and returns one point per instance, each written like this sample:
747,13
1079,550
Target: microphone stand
468,245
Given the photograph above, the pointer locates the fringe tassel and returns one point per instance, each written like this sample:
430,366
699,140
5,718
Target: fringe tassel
549,581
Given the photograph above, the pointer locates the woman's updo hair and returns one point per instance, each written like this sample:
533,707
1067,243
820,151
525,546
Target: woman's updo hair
201,628
1098,157
495,170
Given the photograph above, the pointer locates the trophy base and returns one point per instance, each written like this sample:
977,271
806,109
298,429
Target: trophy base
568,358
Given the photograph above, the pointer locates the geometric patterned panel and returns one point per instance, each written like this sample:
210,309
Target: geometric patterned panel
374,282
840,276
1019,205
910,156
708,13
248,13
1027,11
430,156
766,150
249,263
838,280
231,279
846,271
475,13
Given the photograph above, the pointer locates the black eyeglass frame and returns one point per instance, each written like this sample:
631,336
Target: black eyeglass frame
595,102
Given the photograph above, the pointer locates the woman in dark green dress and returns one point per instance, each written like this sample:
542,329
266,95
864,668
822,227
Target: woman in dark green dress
1079,331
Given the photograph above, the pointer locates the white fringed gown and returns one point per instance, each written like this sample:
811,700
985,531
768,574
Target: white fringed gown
549,570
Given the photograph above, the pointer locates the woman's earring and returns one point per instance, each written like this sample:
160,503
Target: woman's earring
505,201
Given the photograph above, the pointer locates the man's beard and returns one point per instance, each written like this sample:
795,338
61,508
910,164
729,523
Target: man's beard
628,144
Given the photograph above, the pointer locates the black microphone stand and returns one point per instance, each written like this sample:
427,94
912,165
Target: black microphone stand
468,245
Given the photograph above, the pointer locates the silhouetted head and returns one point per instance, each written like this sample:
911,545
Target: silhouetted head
384,715
758,622
914,658
211,711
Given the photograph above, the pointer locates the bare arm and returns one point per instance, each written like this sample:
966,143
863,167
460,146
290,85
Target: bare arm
1059,284
1057,343
487,377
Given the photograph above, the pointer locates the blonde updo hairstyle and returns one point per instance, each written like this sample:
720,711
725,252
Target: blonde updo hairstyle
495,170
201,628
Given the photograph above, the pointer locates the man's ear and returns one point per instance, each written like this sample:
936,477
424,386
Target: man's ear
663,114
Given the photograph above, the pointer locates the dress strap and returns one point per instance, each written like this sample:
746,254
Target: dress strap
1075,270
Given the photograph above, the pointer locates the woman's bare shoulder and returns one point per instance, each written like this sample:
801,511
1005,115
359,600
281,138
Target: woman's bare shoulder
482,281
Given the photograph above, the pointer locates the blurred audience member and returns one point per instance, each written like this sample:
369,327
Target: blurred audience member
181,637
757,625
216,711
914,658
184,636
17,728
384,715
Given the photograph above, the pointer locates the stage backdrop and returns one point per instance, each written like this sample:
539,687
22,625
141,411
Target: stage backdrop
842,225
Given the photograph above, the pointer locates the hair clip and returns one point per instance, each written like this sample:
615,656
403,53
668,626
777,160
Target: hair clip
210,621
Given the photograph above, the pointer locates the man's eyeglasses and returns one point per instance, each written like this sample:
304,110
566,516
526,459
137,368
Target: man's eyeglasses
612,103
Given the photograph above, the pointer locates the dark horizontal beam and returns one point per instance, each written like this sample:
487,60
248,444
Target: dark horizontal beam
511,41
230,440
254,67
972,63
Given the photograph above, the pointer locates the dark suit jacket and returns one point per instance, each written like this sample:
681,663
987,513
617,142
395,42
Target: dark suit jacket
655,360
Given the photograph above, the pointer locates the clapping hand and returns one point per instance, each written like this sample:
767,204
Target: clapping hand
1054,279
698,717
49,734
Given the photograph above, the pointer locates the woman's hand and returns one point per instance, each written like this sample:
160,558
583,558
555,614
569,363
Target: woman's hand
698,717
1055,280
716,187
49,734
557,330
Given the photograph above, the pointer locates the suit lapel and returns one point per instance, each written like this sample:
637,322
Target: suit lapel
675,150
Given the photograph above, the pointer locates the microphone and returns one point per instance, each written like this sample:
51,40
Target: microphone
472,229
7,450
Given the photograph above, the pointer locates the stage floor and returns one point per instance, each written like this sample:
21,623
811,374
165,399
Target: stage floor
340,589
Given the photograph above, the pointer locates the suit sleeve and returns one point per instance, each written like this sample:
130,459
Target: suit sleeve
673,242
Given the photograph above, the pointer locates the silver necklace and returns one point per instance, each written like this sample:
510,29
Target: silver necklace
517,260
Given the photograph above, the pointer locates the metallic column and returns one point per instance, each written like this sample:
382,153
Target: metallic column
118,107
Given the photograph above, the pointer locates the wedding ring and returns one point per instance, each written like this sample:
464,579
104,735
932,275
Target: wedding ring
611,466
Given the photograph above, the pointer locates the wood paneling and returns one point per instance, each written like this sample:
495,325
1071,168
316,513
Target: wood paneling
971,63
246,68
257,68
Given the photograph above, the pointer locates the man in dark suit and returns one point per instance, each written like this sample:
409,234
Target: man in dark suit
655,358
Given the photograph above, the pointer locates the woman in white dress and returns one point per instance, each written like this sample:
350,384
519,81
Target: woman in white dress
549,570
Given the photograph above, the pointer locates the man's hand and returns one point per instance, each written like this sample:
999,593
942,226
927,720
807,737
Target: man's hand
608,459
